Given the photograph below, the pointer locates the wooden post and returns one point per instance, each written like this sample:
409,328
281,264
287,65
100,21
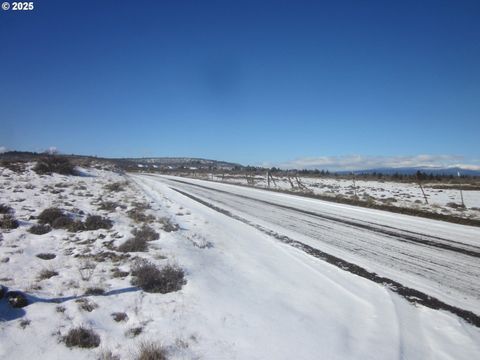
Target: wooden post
421,188
354,187
291,183
461,192
300,184
268,180
273,180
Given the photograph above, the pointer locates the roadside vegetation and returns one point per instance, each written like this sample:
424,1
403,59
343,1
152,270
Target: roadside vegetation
76,234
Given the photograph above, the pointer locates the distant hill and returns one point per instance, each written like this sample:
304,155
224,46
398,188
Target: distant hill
131,163
177,162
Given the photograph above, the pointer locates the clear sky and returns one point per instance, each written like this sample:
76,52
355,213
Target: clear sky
255,82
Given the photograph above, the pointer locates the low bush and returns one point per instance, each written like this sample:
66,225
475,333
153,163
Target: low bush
60,220
140,206
54,164
168,225
46,274
82,337
119,316
96,291
108,205
95,222
138,215
146,233
115,187
151,351
120,274
133,332
8,222
46,256
151,279
76,226
12,165
63,222
4,209
39,229
133,245
48,216
86,305
24,323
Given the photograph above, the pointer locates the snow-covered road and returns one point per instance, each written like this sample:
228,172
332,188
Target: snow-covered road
439,259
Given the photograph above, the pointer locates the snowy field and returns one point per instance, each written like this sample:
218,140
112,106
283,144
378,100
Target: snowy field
246,296
400,194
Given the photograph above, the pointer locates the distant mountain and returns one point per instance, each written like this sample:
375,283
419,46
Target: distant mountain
412,170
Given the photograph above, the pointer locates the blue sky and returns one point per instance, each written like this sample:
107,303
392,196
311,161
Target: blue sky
255,82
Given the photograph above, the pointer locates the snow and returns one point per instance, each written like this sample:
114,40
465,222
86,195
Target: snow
247,295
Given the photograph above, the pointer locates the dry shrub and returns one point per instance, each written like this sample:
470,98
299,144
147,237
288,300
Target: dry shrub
133,245
54,164
39,229
140,205
95,222
108,205
13,165
48,216
151,351
67,223
134,332
46,256
146,233
139,241
86,305
82,337
119,316
46,274
151,279
5,209
138,215
8,222
94,291
168,225
115,187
